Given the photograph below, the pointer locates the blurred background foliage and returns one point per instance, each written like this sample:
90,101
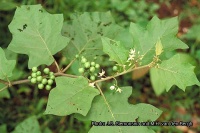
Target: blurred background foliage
26,100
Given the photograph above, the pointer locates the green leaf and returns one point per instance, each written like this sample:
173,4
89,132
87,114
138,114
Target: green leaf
85,32
117,108
174,71
4,93
7,5
29,125
145,38
193,33
71,95
3,128
37,34
115,50
6,66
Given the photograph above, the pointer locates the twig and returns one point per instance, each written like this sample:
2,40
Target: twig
4,88
65,69
67,75
111,77
4,82
58,68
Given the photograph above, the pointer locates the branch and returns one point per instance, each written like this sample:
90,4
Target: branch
67,75
4,88
4,82
122,73
65,69
58,68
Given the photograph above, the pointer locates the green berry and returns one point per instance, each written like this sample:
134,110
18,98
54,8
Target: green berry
40,86
44,81
97,66
46,70
51,73
92,78
81,70
77,56
33,80
83,60
38,73
87,64
29,77
92,69
34,69
50,82
52,77
95,74
39,78
92,63
48,87
115,68
34,75
95,58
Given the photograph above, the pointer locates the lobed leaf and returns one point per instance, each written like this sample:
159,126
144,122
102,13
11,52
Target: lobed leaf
117,108
71,95
6,66
174,71
115,50
146,38
85,31
30,125
37,34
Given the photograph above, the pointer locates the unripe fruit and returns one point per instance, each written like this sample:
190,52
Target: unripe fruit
33,80
81,70
50,82
97,66
92,78
48,87
44,81
52,77
92,69
95,74
39,78
38,73
46,70
92,63
83,60
29,77
34,75
87,64
34,69
51,73
40,86
77,56
115,68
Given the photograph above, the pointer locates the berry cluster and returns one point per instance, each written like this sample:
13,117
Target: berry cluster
89,68
42,81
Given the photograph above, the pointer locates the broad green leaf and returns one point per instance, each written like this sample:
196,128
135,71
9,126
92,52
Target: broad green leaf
174,71
193,32
115,50
37,34
117,108
29,125
6,66
4,93
71,95
7,5
85,32
3,128
145,38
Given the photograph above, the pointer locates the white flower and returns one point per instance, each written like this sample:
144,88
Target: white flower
91,84
112,87
102,73
119,90
132,51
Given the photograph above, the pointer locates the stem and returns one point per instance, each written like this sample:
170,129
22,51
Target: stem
111,77
104,98
58,68
65,69
20,82
67,75
4,82
4,88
